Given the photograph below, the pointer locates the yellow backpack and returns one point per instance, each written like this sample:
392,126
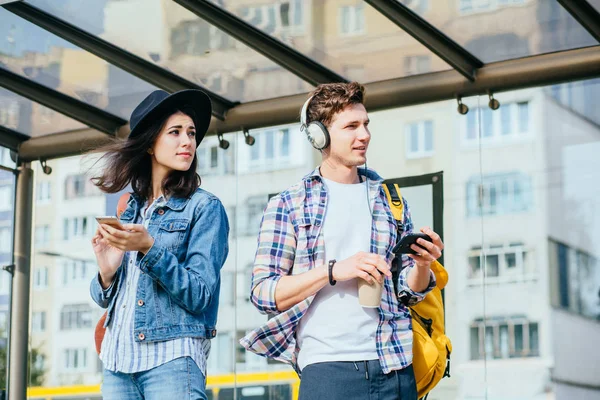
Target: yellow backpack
431,346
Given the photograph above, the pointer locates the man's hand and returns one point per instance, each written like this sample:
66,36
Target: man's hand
428,252
367,266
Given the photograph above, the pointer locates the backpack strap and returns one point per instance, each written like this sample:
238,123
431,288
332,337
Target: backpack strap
394,197
122,204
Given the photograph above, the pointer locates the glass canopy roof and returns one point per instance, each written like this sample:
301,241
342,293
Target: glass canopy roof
89,63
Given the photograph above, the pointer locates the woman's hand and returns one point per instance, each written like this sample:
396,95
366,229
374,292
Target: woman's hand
133,237
109,258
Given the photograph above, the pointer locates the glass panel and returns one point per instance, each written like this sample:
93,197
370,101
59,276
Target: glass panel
176,39
513,28
350,38
595,4
7,193
46,59
30,118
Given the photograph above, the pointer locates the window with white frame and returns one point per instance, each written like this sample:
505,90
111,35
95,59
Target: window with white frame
475,6
418,6
282,17
75,271
414,65
419,139
75,359
510,262
5,240
509,123
42,235
38,321
43,192
75,316
255,206
499,194
208,159
500,338
78,186
271,148
351,20
40,278
227,288
40,362
6,198
76,227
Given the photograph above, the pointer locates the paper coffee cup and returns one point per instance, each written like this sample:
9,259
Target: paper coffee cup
369,294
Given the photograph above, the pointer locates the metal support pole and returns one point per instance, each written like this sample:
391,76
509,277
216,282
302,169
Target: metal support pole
19,313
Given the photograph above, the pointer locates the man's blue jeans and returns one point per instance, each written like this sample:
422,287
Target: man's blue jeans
360,380
179,379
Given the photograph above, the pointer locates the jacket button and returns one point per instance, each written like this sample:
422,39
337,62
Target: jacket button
161,211
140,302
141,336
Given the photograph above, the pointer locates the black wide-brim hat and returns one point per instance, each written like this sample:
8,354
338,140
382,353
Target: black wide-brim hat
158,103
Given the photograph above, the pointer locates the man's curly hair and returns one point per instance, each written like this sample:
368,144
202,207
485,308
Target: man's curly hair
329,99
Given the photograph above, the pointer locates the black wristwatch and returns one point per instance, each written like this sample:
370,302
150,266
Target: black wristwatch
332,281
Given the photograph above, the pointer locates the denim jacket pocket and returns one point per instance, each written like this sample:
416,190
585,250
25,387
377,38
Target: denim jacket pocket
171,233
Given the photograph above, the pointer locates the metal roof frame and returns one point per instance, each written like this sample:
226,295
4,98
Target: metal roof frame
263,43
115,55
11,139
585,14
66,105
429,36
545,69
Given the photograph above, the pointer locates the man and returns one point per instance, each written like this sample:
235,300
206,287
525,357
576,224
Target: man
340,349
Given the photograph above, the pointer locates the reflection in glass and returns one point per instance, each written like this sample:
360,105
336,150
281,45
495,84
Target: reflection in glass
175,39
513,28
352,39
40,56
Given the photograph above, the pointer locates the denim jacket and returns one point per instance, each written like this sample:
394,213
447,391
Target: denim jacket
178,289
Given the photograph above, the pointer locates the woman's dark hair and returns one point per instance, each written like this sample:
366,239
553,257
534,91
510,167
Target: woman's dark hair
128,162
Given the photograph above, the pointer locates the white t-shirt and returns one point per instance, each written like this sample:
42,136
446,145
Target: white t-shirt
336,327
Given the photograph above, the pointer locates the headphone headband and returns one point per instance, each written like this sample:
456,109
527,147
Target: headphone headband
303,114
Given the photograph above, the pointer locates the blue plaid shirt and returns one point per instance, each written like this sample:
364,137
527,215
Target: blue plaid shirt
291,242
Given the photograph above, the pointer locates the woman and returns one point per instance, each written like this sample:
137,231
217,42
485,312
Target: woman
159,270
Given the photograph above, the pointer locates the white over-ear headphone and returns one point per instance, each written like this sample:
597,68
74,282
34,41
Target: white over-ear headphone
316,132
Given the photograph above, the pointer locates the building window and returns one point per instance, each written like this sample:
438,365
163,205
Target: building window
255,206
6,198
42,235
40,362
271,149
414,65
75,227
418,6
419,139
475,6
498,194
503,263
43,194
78,186
511,122
283,17
208,159
75,271
575,280
40,278
5,240
513,337
227,288
75,316
351,20
75,359
38,321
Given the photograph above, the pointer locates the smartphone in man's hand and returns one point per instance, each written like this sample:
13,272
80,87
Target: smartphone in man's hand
403,246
